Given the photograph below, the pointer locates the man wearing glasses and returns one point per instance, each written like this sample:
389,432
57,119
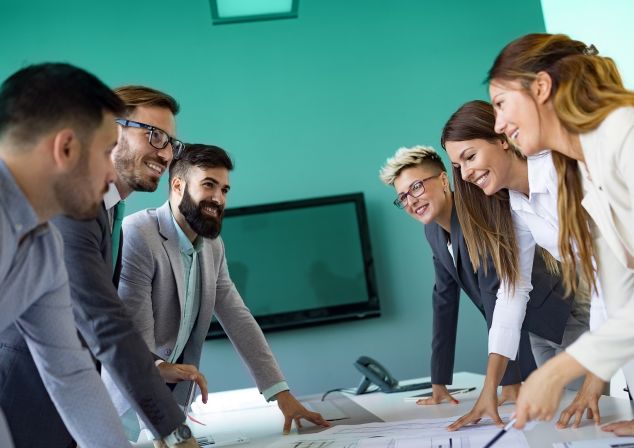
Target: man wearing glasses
174,260
143,152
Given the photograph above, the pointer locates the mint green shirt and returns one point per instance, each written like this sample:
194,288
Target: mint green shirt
191,305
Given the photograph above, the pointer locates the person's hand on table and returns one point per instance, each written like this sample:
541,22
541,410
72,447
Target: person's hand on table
509,394
294,410
439,393
175,373
540,394
189,443
587,398
624,428
487,405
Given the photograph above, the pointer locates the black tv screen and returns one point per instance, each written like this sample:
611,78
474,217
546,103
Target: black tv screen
301,263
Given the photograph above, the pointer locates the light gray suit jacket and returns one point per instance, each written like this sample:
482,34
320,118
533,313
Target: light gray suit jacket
153,290
609,199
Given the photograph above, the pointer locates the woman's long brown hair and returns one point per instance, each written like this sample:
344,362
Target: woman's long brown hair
585,89
486,221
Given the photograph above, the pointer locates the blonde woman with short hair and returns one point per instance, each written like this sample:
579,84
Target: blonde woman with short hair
422,188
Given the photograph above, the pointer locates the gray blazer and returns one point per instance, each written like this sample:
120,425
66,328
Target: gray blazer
152,288
546,314
107,331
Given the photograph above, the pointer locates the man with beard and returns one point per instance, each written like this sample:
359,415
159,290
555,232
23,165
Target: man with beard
143,151
57,132
174,277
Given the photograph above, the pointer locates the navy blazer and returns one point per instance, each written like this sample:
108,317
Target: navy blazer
546,314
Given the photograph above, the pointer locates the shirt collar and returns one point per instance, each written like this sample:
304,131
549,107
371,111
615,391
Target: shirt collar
15,204
538,166
112,197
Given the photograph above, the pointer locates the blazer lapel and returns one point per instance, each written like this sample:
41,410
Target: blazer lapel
104,223
172,248
456,235
440,246
207,286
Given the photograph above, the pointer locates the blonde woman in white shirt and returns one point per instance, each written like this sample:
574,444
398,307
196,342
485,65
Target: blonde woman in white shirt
550,91
487,169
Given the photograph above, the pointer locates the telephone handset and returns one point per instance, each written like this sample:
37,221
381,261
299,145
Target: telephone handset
374,373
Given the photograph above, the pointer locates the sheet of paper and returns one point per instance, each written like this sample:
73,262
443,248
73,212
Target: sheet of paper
422,433
406,426
612,442
327,409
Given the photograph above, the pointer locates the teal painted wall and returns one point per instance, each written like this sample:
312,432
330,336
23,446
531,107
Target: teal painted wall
308,107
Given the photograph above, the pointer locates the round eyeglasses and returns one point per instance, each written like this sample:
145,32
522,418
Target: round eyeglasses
415,190
157,137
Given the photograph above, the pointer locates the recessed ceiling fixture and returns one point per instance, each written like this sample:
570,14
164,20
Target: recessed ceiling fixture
232,11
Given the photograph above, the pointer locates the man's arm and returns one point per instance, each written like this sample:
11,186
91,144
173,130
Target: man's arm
248,339
108,330
241,327
68,372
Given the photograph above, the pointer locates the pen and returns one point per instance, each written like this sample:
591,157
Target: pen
464,391
451,391
191,394
508,426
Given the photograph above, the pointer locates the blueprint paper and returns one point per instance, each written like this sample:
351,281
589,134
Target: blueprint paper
421,433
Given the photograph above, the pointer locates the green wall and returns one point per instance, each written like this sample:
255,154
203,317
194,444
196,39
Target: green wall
308,107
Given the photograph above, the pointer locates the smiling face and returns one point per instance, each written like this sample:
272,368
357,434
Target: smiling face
488,165
433,202
203,199
138,164
517,115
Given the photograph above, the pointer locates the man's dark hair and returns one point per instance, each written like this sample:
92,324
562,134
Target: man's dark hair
42,97
202,156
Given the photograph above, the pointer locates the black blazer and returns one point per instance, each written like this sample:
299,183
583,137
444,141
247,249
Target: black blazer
546,314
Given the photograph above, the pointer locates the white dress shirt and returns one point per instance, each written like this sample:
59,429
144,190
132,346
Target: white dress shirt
110,199
535,222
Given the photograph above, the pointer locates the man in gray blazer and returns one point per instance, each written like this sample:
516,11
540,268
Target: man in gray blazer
142,153
174,277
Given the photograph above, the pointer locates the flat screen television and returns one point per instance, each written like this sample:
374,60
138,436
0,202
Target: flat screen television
301,263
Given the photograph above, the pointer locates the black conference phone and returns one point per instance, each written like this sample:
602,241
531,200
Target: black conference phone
375,373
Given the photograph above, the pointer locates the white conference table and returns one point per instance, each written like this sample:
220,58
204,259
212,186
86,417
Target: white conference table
243,413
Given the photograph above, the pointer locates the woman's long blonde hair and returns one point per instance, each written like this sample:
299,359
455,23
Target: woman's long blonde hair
486,221
586,87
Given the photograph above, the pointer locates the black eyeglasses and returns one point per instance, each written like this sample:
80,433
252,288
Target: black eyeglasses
157,137
415,190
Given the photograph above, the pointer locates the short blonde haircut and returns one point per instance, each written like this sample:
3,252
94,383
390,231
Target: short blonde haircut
406,158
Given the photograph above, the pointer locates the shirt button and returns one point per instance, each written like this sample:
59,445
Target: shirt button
18,227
